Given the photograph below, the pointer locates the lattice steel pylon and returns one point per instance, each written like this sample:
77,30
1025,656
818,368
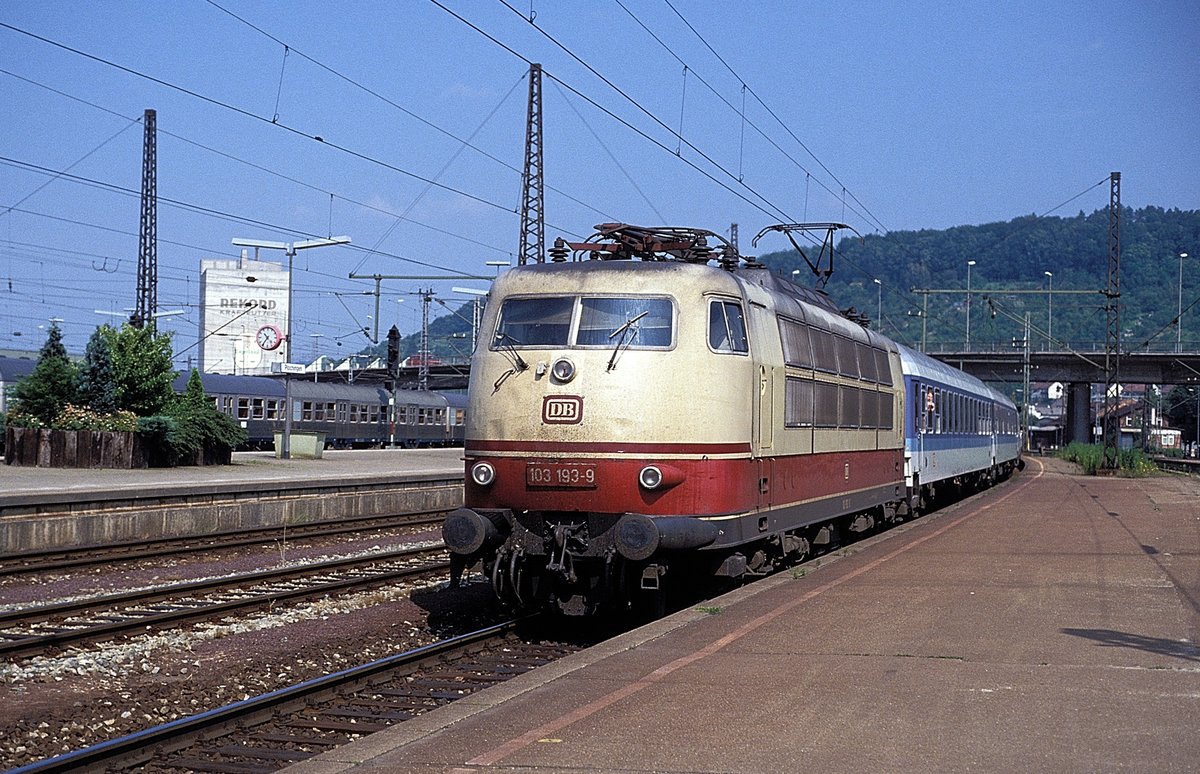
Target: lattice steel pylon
146,305
533,216
1112,342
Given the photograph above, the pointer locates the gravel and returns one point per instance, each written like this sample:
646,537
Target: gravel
53,704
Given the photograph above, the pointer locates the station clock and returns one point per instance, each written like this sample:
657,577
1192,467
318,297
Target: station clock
269,337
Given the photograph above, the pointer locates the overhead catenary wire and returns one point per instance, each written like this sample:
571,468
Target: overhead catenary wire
742,112
771,112
212,212
406,111
255,116
611,114
259,167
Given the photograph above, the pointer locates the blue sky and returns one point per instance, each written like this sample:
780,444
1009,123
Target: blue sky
929,115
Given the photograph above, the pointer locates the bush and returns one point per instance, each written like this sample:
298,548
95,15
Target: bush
158,440
191,426
1131,462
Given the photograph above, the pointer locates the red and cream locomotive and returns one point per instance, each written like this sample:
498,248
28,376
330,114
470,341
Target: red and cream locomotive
659,409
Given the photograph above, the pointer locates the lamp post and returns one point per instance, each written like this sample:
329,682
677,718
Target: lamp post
1179,309
1050,311
969,265
879,315
289,249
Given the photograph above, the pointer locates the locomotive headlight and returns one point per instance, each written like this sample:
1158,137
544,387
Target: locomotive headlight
483,473
650,477
660,476
563,370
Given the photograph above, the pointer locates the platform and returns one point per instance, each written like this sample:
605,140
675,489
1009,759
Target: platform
1049,624
43,508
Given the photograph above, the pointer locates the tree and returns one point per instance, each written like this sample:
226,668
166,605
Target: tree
51,385
98,376
144,372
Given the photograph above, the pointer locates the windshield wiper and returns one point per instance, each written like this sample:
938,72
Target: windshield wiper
625,339
504,343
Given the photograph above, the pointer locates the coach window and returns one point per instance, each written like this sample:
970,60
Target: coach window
243,408
272,408
727,327
257,409
528,322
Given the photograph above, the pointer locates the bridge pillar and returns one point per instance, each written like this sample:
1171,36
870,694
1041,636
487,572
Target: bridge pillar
1079,413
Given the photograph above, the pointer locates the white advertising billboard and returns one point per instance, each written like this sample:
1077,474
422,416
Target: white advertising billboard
243,316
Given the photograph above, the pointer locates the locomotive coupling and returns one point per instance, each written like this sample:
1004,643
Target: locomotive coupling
638,536
468,532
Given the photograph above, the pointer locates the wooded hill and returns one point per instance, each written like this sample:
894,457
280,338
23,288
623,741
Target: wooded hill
1014,255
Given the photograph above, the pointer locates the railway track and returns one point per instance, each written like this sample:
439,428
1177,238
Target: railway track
137,550
271,731
44,628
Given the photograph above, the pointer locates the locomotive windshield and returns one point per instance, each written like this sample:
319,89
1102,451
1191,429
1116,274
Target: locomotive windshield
586,321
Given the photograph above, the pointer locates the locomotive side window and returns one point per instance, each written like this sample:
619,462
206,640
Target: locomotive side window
882,367
866,362
727,327
825,404
798,403
847,359
797,348
644,322
542,321
824,351
850,412
885,410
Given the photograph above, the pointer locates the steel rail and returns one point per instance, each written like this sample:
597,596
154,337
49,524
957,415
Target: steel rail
15,564
34,643
177,734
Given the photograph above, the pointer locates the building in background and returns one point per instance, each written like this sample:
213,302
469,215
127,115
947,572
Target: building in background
243,315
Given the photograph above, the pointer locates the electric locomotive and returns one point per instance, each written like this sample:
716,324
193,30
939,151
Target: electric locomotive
662,409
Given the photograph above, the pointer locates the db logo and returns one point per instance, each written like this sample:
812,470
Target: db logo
562,410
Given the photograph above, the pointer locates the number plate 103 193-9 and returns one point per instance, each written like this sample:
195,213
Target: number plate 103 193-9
561,475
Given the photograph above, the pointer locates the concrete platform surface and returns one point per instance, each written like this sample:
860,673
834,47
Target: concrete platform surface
249,470
1049,624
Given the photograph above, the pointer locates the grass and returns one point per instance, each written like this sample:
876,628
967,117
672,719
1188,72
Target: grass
710,609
